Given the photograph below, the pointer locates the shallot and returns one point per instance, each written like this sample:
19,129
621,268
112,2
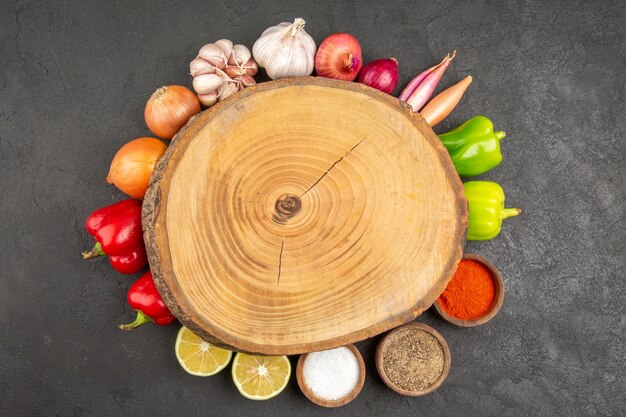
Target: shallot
442,105
421,88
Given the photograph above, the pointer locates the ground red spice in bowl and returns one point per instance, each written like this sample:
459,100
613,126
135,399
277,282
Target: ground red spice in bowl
471,292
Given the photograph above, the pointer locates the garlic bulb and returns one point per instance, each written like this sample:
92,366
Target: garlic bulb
285,50
220,70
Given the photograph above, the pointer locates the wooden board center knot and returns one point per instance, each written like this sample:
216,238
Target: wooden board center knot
286,206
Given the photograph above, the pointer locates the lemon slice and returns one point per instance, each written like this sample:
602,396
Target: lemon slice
199,357
260,377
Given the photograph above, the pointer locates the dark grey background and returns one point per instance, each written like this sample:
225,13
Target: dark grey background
74,78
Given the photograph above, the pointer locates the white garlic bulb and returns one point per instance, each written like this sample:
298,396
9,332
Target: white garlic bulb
220,70
285,50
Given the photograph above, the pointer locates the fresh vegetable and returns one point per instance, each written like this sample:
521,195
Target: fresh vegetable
381,74
199,66
215,54
147,302
473,146
220,70
419,89
486,209
209,99
206,83
442,105
339,56
118,234
239,55
169,108
198,357
285,50
260,377
133,164
247,70
227,50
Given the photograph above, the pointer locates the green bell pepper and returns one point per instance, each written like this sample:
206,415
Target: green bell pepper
486,209
473,146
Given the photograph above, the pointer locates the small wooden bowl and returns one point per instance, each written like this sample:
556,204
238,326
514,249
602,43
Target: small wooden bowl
446,360
331,403
495,307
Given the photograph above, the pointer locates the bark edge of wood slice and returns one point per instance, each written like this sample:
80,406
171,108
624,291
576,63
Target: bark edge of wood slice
301,215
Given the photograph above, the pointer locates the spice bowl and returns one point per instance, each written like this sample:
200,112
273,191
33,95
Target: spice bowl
495,307
422,354
309,392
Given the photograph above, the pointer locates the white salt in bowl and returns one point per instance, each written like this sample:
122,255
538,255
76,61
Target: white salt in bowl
321,391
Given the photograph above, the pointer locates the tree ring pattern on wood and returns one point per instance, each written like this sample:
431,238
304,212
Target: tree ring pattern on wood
303,214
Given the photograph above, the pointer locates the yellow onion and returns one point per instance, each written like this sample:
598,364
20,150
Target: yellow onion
169,108
133,164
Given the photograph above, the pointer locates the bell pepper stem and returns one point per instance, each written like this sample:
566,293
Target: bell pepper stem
510,212
141,319
95,251
500,134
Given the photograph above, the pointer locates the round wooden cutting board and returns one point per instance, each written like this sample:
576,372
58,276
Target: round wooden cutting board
303,214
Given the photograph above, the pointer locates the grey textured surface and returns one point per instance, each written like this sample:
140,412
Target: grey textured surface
74,77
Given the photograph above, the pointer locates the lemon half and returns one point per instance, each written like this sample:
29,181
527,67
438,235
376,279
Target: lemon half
199,357
260,377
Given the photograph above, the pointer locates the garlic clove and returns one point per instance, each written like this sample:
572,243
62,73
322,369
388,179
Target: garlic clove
199,66
247,81
208,99
251,67
234,71
213,54
206,83
240,55
223,75
226,90
226,46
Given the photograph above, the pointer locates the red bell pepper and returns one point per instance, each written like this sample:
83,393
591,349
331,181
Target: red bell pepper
147,302
117,229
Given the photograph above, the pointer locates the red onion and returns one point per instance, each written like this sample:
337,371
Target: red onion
381,74
339,57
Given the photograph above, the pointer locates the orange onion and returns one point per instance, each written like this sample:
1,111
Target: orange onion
339,57
169,108
133,164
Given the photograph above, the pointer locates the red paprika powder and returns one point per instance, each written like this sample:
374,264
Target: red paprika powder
471,292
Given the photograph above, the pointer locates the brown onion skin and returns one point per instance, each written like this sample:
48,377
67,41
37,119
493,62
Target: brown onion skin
169,108
381,74
133,164
339,57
